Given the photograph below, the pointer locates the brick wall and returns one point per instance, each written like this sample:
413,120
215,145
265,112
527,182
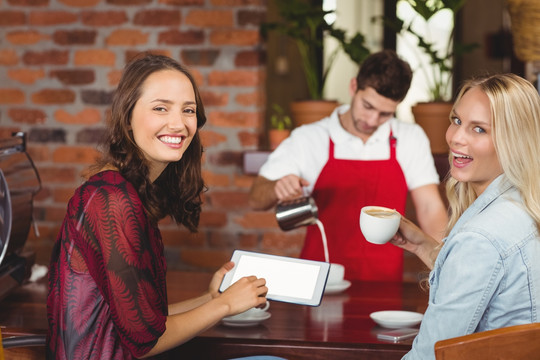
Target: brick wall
60,61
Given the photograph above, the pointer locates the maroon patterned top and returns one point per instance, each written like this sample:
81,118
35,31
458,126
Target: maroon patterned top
107,289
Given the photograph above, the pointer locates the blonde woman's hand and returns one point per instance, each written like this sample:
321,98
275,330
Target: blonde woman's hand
411,238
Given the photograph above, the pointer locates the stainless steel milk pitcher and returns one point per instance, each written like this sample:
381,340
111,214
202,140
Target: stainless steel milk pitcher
295,213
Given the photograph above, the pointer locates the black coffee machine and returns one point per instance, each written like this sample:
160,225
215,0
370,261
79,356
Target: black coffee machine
19,182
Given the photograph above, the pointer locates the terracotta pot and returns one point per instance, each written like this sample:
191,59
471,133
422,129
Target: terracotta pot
308,111
275,137
433,117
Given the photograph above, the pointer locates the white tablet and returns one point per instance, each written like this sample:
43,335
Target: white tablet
288,279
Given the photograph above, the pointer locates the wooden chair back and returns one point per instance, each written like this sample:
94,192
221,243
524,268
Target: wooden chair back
519,342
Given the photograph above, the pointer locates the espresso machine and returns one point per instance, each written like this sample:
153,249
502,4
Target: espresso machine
19,183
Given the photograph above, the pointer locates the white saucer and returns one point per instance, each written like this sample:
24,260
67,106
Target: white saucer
396,319
336,288
251,321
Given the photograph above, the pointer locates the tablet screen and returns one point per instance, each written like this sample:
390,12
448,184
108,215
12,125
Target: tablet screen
288,279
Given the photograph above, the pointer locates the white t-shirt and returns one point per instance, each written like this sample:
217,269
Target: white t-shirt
305,152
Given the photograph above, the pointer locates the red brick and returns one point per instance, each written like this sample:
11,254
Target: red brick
203,57
128,2
251,17
228,199
73,77
216,180
8,57
62,195
27,116
47,135
243,181
7,131
157,18
52,18
75,154
29,37
28,2
198,76
80,3
44,194
114,77
103,18
11,96
46,57
87,116
177,37
258,220
12,18
235,119
100,57
226,158
26,76
223,240
127,37
248,241
249,58
211,138
182,2
45,231
179,237
205,258
53,96
55,214
289,243
238,2
213,219
250,99
235,37
39,152
57,175
75,37
210,18
130,54
249,139
212,98
90,136
234,78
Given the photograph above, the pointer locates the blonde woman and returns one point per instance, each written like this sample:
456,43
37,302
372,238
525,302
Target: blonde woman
486,272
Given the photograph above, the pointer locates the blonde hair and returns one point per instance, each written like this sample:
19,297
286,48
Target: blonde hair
515,115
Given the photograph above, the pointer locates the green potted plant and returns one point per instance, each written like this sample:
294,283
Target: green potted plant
280,126
432,115
304,22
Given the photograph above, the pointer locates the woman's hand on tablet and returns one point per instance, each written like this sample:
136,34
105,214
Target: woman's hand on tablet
215,283
244,294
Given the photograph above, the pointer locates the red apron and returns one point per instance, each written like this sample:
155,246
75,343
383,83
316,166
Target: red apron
342,189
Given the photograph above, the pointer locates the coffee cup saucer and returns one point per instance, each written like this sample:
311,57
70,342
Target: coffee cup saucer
337,287
246,321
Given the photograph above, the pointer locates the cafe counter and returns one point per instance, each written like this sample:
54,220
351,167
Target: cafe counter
340,328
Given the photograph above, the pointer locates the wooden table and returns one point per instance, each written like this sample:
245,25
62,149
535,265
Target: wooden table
340,328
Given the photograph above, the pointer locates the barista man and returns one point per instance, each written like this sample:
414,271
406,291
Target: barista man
360,155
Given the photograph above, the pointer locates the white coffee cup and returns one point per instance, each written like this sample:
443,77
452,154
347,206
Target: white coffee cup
336,274
379,224
252,313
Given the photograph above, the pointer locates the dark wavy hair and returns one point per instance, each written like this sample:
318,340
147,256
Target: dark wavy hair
177,191
385,72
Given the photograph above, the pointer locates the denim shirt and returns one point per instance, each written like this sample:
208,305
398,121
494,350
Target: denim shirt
487,274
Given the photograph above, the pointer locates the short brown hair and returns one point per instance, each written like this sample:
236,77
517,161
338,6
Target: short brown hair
385,72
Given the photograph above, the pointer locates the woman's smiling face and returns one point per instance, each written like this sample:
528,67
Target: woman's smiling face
470,139
164,119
